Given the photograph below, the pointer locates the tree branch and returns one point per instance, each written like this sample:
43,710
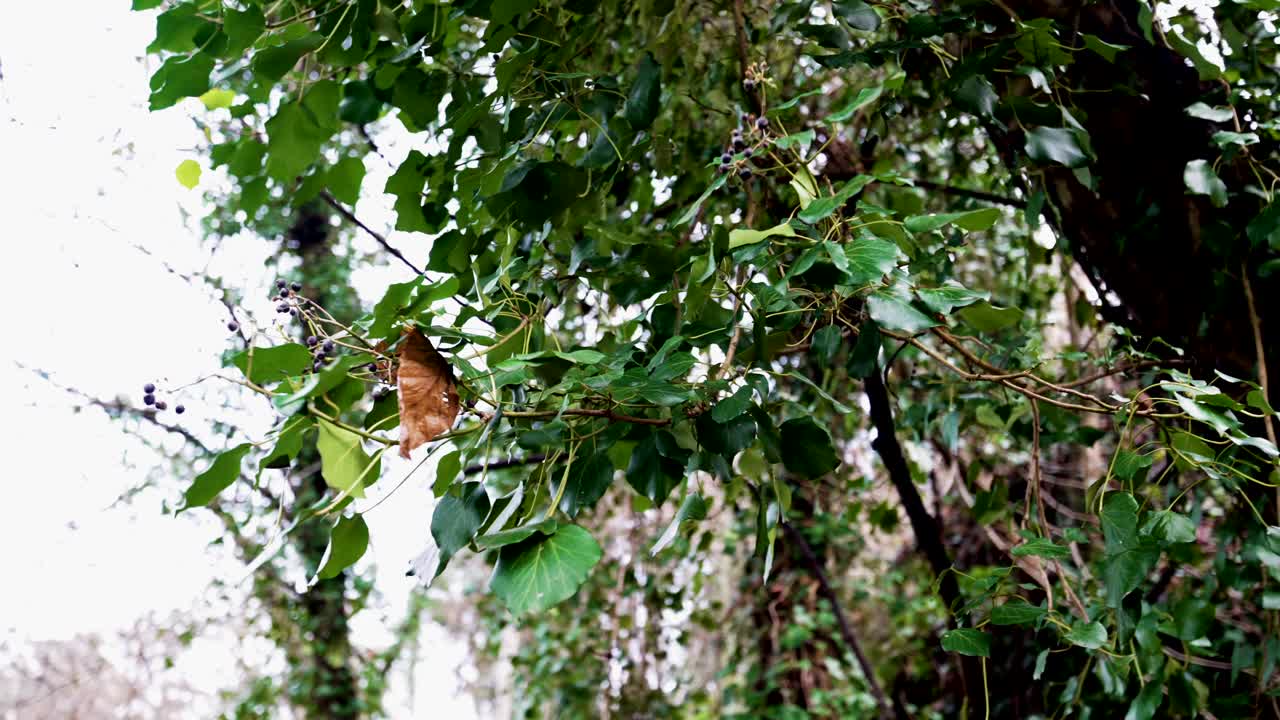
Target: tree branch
846,633
344,212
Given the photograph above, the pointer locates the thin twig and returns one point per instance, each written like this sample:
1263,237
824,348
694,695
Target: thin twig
344,212
1260,348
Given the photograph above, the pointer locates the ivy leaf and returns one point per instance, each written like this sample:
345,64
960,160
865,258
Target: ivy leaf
970,220
892,308
1170,527
650,472
1087,635
217,99
865,97
806,448
270,64
1016,611
456,520
823,207
1061,146
343,462
643,103
589,479
990,318
294,138
1212,114
428,393
858,14
1225,139
692,211
870,259
1200,179
542,571
1265,228
693,509
732,406
344,179
288,444
188,174
347,543
180,78
967,641
218,477
1106,50
263,365
742,236
1147,701
1041,547
977,95
946,298
1128,557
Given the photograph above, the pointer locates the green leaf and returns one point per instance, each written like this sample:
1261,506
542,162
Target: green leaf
977,95
188,173
347,544
1016,611
447,470
457,518
740,237
270,64
294,139
218,477
217,98
865,97
1041,547
180,78
1128,557
649,471
967,641
693,509
732,406
1170,527
1200,179
1147,701
545,570
1265,228
870,258
1061,146
502,12
272,364
943,300
806,448
589,479
1106,50
1087,635
692,211
800,140
511,536
643,103
892,308
343,461
1224,139
990,318
971,220
288,444
858,14
823,207
1212,114
344,179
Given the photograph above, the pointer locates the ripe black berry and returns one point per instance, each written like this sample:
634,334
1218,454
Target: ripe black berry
161,405
738,144
762,123
180,409
744,173
149,388
149,399
328,346
282,284
233,326
312,340
282,308
723,168
296,287
726,158
749,84
293,312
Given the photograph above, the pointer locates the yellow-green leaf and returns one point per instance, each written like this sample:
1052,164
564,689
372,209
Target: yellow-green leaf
188,172
218,98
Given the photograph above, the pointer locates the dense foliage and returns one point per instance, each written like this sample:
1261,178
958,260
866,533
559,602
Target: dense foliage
721,294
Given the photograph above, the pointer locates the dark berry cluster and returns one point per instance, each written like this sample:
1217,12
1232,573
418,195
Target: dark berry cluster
737,155
287,296
322,351
149,398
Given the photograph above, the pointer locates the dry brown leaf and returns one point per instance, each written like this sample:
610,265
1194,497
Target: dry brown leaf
428,394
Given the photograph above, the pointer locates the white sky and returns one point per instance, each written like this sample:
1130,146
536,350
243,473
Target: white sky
86,172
